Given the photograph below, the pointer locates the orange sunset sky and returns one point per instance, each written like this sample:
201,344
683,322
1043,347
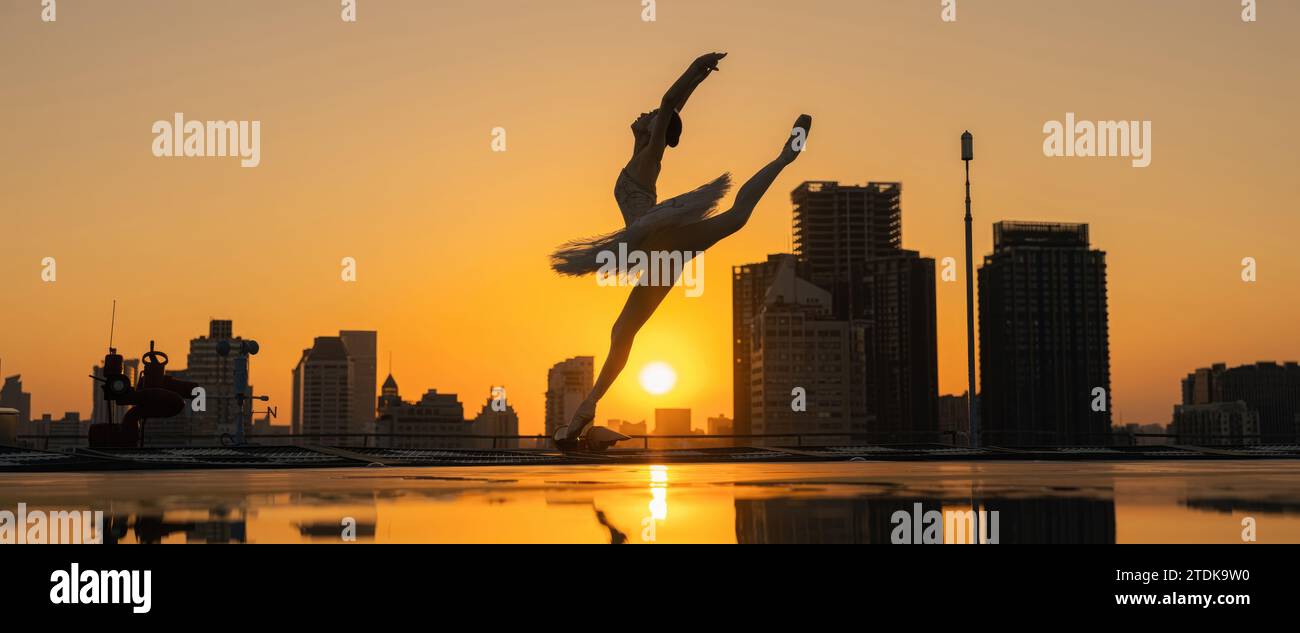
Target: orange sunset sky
375,145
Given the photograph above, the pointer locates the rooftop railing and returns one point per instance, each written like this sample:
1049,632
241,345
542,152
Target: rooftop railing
956,439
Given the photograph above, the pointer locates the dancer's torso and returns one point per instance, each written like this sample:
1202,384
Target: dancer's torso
633,198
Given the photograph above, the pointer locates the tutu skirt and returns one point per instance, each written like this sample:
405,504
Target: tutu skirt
577,258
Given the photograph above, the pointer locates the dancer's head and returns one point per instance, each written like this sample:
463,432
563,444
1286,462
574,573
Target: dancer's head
643,124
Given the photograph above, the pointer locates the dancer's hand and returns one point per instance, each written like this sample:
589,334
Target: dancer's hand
708,62
675,98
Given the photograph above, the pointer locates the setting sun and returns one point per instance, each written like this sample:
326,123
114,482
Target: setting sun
658,378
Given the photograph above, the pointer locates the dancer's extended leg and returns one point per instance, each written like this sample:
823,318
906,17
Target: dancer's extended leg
641,303
701,235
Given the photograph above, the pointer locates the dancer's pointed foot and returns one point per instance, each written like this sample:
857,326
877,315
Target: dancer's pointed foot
798,139
582,420
562,440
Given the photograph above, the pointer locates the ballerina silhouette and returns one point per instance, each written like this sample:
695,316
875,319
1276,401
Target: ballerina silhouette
684,224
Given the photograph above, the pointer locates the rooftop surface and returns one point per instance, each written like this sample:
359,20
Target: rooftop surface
1078,501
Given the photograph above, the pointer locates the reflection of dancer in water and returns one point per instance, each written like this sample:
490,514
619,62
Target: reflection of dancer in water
686,224
616,537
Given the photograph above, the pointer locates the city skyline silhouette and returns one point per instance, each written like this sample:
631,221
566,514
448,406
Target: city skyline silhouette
450,238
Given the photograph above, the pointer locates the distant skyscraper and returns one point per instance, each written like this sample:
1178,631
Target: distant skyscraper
362,346
322,400
836,227
12,396
895,300
749,284
326,383
1231,423
821,521
848,240
798,345
1204,385
1270,390
1044,337
216,374
672,422
567,385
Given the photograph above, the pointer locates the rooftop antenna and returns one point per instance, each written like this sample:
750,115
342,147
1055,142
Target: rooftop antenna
112,325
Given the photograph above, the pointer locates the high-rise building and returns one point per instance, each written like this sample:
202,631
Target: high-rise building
1204,385
865,350
325,385
1269,389
12,396
849,241
837,227
1230,423
895,301
672,422
216,375
567,384
322,400
807,374
1044,337
362,349
806,367
749,284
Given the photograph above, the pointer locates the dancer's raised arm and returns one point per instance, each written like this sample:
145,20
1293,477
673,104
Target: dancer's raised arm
676,97
652,139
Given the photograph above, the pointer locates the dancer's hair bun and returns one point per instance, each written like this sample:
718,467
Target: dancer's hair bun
674,132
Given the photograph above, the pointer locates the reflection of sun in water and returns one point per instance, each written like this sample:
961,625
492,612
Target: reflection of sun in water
658,378
659,493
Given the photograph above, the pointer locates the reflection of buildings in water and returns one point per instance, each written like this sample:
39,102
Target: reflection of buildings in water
332,516
152,529
844,521
819,521
326,530
1055,520
1229,506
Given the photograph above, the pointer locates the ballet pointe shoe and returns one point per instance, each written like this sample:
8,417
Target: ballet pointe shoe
562,440
599,438
567,437
798,139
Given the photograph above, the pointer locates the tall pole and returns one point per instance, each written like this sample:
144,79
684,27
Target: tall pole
972,415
